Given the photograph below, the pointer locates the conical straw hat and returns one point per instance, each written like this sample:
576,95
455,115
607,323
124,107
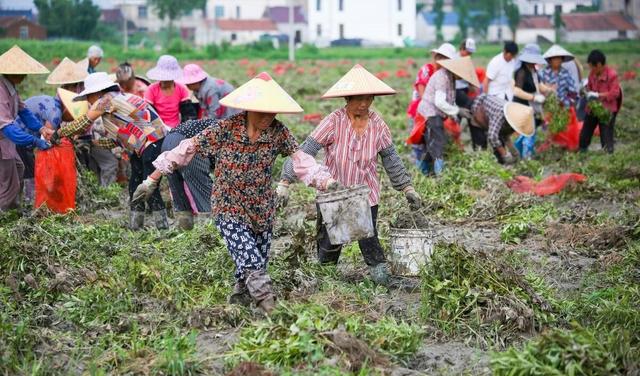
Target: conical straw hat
84,64
520,118
76,109
262,94
557,51
67,72
463,68
358,81
16,61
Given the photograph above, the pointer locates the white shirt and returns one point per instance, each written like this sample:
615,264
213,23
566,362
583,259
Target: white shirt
500,74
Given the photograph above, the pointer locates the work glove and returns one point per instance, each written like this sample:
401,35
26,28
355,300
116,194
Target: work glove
413,198
592,95
145,189
334,185
465,113
282,194
509,159
41,144
539,98
102,105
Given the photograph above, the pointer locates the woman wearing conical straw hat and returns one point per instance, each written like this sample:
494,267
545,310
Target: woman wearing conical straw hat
438,103
245,147
15,65
353,137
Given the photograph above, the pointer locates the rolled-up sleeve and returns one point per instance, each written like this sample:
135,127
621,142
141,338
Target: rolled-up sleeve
175,158
311,147
310,172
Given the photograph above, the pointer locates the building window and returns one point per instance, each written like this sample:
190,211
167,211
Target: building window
319,30
399,5
340,5
142,11
318,5
24,32
559,9
234,37
219,11
341,28
298,37
622,34
237,11
535,9
399,30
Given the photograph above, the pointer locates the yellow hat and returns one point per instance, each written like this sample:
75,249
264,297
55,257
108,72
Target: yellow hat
463,68
520,118
76,109
67,72
16,61
262,94
358,81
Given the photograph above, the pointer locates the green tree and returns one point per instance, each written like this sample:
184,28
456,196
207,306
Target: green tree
558,24
68,18
463,16
513,16
438,6
173,9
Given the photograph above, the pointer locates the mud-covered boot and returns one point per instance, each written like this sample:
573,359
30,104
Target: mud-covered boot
184,220
160,219
240,295
29,191
259,285
379,274
136,220
438,166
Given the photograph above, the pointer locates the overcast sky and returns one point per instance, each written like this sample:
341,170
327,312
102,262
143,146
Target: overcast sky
26,4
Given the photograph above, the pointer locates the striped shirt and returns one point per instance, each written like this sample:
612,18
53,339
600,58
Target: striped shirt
352,158
566,91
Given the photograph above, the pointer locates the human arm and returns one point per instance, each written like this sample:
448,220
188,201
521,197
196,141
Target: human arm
444,106
204,143
105,143
20,137
309,146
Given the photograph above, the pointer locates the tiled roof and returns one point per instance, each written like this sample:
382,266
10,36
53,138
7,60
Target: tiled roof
246,25
535,23
596,22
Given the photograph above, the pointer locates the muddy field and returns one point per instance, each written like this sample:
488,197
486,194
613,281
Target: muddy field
533,285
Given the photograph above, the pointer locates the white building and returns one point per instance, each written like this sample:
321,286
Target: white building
499,30
379,21
280,16
597,27
549,7
535,28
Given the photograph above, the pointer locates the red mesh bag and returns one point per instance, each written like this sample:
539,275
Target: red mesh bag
417,133
56,178
551,185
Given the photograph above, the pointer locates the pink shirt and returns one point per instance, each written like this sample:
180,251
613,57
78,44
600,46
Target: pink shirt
168,107
351,158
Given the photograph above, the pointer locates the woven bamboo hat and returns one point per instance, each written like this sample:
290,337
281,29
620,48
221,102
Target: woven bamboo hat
16,61
463,68
262,94
358,81
557,51
520,118
67,72
76,109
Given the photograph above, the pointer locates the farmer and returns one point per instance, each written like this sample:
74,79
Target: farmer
245,147
467,48
500,118
526,79
438,103
500,72
352,138
130,82
15,64
603,86
167,96
559,79
94,56
209,91
445,51
134,126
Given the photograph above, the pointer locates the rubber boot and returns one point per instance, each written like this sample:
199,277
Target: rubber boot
438,166
380,274
425,167
259,285
29,191
240,295
160,219
136,220
184,220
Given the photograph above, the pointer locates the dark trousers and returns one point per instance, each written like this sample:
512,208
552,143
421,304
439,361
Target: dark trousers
434,138
29,160
370,248
141,167
462,98
606,132
478,137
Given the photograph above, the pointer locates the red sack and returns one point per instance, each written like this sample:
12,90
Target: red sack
551,185
55,178
570,137
454,131
417,133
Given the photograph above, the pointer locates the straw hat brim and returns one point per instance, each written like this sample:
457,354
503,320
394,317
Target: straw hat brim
532,59
557,51
96,89
358,81
463,68
75,108
520,118
67,72
16,61
262,94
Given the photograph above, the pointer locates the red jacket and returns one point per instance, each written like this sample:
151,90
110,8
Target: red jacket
608,86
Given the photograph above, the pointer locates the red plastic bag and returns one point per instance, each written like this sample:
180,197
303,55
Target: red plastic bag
551,185
570,137
56,178
417,133
454,131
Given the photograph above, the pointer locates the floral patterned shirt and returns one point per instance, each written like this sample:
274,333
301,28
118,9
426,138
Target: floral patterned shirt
242,190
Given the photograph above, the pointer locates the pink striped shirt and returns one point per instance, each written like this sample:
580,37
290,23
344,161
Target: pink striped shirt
351,158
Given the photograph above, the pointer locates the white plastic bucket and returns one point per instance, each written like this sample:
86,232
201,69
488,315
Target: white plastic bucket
411,249
346,214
